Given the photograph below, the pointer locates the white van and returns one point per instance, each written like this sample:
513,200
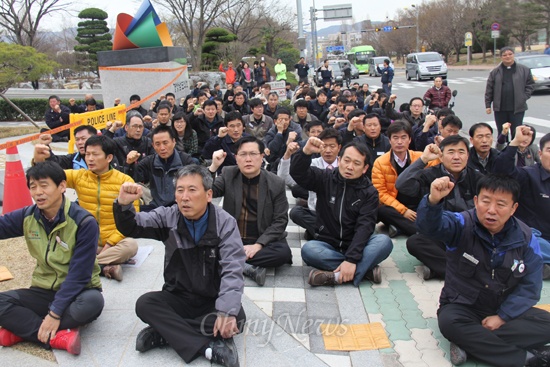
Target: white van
425,65
378,61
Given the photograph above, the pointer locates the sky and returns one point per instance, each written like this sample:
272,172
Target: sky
375,10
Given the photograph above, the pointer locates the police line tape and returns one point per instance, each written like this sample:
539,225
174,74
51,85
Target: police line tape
33,137
30,138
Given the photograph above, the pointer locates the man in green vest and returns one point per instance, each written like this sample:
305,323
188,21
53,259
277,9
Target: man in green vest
65,289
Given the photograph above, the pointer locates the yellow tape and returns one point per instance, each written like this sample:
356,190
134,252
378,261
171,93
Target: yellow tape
98,118
156,70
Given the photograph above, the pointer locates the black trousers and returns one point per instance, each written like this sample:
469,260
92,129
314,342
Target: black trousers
515,119
388,215
181,319
23,310
429,251
272,255
304,217
504,347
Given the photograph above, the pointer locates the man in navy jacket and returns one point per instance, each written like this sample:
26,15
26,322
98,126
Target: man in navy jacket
493,276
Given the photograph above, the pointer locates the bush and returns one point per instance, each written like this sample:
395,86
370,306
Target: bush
34,107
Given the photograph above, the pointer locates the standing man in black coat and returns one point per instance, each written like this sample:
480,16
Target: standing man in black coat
509,86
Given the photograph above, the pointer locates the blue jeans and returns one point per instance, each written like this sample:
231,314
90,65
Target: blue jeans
322,255
544,245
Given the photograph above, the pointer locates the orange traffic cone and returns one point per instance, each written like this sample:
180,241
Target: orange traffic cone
16,193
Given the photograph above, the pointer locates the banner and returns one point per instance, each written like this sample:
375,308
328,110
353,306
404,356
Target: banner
97,119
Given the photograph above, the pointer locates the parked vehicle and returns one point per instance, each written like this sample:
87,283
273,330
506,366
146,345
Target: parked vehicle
378,61
359,55
337,73
425,65
540,69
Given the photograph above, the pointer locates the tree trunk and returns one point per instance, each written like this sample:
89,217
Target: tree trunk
2,95
34,84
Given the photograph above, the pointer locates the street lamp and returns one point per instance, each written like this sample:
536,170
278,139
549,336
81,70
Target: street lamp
417,27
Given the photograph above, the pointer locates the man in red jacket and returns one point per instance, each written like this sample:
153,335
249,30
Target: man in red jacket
439,95
230,73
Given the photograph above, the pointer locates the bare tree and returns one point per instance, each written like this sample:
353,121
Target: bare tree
244,20
21,18
527,19
194,18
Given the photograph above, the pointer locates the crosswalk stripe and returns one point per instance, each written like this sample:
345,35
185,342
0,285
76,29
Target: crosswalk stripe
528,121
536,121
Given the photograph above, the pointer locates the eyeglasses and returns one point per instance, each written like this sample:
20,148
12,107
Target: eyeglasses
137,127
248,154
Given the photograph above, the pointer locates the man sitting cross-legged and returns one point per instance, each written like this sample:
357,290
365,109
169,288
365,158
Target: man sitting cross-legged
416,180
493,277
347,203
65,290
257,199
199,308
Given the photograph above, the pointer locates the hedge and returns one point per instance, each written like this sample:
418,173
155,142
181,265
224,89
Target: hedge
34,107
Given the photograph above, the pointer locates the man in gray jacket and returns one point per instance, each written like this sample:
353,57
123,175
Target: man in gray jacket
509,86
257,199
199,308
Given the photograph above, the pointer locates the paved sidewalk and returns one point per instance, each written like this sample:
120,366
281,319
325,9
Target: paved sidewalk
283,317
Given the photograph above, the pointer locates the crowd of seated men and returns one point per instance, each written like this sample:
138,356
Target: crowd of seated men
351,160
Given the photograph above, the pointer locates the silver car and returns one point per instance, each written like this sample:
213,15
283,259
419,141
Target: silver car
378,61
540,68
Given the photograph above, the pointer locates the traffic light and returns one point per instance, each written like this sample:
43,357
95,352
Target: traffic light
395,28
377,29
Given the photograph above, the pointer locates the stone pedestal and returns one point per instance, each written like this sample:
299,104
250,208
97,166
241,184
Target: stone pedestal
148,72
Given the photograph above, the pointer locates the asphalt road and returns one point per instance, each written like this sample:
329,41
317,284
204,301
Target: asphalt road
470,101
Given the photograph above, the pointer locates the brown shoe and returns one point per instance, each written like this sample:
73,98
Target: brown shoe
321,277
113,272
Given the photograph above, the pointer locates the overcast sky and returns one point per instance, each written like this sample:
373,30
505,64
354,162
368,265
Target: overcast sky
362,10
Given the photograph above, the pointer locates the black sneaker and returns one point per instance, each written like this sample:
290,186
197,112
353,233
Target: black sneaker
374,275
427,273
546,272
393,231
541,357
458,355
257,273
148,339
224,352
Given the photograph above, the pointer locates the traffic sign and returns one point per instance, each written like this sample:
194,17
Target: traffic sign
495,27
387,28
335,49
495,34
468,39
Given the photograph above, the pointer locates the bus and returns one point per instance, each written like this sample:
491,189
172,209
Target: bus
359,56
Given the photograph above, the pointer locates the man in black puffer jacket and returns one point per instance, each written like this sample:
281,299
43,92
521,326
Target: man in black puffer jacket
347,205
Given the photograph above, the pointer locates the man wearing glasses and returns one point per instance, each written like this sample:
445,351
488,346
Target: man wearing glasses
226,140
257,199
509,86
135,145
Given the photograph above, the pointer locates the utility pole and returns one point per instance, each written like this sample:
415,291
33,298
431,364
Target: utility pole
417,28
313,17
300,28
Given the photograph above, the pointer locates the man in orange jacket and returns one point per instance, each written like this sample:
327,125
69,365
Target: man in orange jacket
396,210
230,73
